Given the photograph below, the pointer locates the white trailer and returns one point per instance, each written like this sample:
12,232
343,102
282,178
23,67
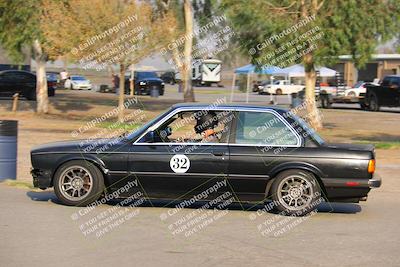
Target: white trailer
205,72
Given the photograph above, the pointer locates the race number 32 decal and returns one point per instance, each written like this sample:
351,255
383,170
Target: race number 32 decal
179,163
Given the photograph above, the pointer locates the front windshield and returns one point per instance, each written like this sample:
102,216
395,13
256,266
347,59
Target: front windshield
358,84
78,78
145,75
131,135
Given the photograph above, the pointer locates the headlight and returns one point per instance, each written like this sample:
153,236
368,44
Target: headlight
142,83
162,83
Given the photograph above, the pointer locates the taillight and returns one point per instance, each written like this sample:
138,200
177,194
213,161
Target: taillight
371,166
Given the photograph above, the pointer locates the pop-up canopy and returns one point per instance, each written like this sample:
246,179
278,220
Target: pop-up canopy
298,71
249,70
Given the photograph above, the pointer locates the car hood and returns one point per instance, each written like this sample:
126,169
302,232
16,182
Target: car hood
81,82
83,145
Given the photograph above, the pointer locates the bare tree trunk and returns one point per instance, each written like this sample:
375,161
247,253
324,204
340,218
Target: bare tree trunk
188,94
313,115
132,80
42,101
121,97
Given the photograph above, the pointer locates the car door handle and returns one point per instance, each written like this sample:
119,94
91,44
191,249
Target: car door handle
218,153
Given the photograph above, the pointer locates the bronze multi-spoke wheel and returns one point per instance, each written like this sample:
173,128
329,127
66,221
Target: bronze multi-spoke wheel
295,192
78,183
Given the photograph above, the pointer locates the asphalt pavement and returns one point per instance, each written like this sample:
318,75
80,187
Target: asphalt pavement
36,230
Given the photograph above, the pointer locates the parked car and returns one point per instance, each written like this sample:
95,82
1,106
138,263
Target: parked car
359,88
168,77
77,82
22,82
386,94
280,87
145,81
256,153
259,85
53,79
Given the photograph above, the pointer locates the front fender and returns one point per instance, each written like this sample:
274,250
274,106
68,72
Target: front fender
88,157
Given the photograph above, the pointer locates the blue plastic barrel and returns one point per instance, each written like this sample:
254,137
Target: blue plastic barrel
8,149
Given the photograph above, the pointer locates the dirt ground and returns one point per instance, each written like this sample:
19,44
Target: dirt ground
71,110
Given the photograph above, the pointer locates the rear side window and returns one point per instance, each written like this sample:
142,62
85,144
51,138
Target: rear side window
265,129
395,81
24,77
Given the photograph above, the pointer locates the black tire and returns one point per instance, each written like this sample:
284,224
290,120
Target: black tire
95,191
31,95
363,106
324,100
278,91
373,103
305,188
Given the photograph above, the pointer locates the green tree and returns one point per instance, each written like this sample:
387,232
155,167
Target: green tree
20,29
266,28
101,33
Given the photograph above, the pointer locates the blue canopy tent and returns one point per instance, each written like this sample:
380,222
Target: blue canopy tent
249,70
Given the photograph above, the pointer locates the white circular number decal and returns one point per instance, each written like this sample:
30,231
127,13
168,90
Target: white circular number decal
179,163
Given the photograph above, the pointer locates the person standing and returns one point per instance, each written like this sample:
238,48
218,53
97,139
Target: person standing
63,77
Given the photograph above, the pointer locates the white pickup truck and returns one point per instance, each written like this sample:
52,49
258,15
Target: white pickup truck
280,87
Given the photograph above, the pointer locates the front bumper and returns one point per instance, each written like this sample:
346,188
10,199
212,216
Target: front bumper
41,178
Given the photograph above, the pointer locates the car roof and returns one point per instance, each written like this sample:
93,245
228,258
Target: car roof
20,71
225,106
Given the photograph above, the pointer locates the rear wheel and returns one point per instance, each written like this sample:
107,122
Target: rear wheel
373,103
278,91
31,95
78,183
324,99
295,192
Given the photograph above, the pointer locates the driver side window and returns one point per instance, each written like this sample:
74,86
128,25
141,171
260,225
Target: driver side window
198,126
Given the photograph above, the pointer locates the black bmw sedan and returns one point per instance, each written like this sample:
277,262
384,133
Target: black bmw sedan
255,153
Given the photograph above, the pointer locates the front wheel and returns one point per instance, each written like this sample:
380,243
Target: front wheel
295,192
78,183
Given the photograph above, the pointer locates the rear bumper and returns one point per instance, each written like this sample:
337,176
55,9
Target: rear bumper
341,188
375,181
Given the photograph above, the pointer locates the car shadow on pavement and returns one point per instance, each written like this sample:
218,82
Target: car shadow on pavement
325,207
44,196
333,207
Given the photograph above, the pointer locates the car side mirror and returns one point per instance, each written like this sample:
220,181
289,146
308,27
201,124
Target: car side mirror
149,137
